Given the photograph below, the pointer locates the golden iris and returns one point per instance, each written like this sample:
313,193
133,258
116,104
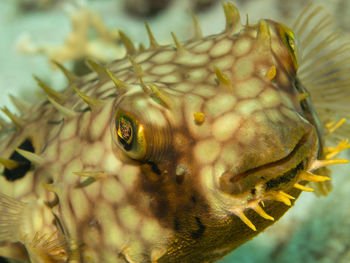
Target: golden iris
288,38
130,135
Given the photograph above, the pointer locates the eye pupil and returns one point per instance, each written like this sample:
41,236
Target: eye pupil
125,132
290,42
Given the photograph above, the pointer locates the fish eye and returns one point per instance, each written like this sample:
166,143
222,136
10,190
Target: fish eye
129,135
288,38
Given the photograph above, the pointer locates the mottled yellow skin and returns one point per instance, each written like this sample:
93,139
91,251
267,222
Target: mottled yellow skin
217,143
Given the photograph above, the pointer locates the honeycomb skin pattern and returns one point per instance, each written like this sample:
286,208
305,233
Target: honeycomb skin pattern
189,199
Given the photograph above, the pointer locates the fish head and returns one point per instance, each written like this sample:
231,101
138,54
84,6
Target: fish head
179,144
234,139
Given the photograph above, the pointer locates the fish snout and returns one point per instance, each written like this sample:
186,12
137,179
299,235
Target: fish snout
273,160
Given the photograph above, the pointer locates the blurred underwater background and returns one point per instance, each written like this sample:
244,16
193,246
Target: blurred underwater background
35,31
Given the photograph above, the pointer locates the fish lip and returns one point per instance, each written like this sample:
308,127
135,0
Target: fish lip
273,175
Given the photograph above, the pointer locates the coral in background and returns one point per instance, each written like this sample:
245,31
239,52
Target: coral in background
203,4
153,7
146,7
34,5
89,38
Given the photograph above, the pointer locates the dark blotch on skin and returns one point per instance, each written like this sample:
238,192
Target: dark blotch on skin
200,231
155,168
285,178
193,199
4,260
176,224
180,179
21,170
161,207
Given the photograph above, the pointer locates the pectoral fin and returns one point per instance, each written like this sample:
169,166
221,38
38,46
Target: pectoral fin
11,212
47,249
16,225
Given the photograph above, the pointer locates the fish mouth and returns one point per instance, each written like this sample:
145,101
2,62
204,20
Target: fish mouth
275,175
